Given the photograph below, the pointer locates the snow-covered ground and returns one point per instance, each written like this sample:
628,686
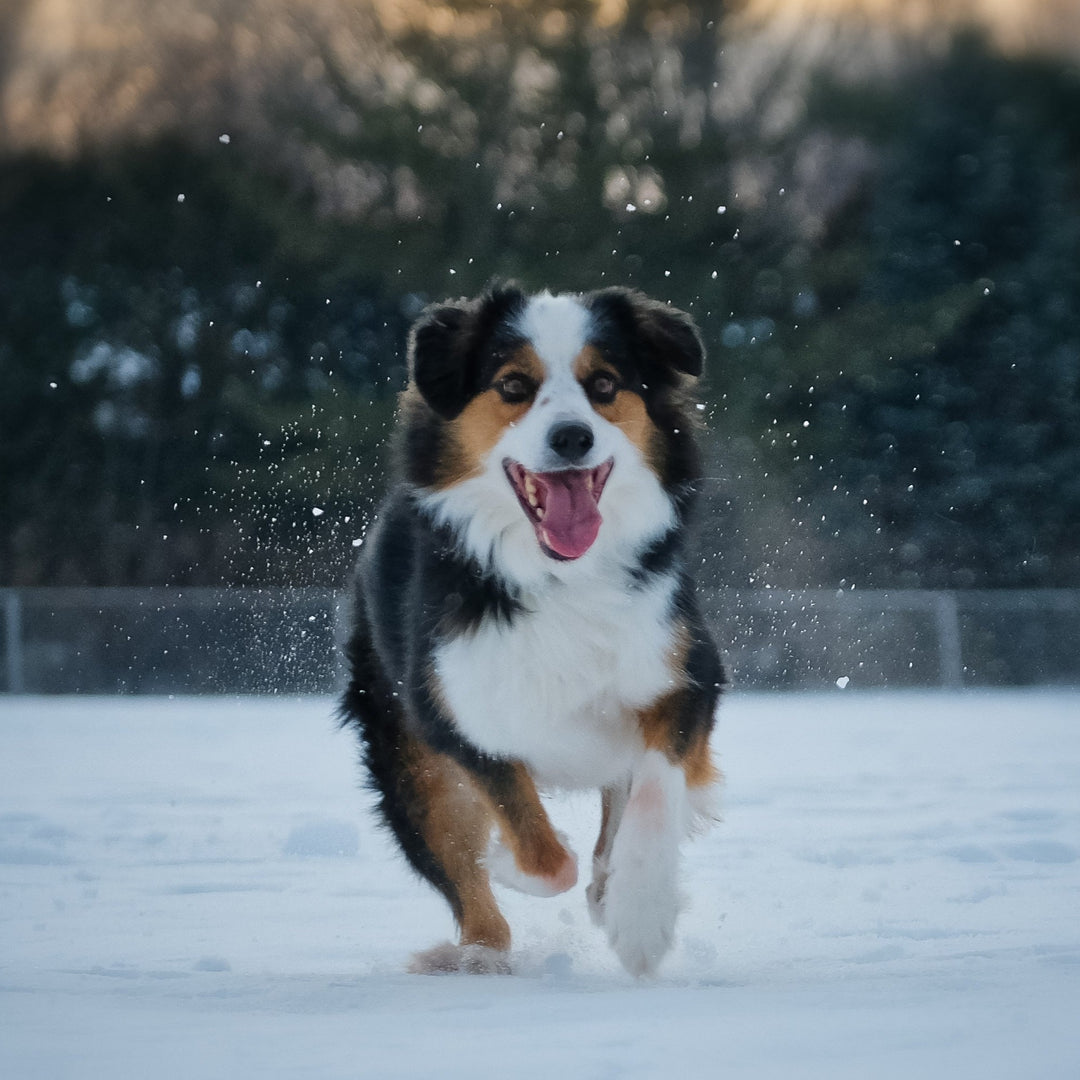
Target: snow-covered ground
194,888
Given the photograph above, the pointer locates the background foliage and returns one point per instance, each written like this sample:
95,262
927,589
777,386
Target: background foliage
202,311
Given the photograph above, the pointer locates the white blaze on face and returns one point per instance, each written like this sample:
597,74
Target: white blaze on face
558,328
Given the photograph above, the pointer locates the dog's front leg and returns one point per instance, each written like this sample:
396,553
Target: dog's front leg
640,898
529,854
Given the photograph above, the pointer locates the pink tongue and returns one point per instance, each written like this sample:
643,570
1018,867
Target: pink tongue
571,518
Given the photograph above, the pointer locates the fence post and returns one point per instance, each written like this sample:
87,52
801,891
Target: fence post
13,641
950,654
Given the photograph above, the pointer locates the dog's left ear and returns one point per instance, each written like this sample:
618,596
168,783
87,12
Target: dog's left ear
668,336
673,336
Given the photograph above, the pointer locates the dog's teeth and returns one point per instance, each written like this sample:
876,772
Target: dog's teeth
530,488
589,482
539,513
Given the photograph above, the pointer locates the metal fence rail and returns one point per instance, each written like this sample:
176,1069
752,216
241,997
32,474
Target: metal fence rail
169,640
813,638
180,640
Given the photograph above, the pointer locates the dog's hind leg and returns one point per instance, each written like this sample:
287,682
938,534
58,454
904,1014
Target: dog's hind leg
612,804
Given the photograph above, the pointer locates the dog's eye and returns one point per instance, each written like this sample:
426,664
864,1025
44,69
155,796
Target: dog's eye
514,388
602,387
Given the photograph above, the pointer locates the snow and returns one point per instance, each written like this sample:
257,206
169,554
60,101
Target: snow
194,888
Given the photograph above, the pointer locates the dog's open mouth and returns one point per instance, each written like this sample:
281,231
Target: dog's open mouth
563,506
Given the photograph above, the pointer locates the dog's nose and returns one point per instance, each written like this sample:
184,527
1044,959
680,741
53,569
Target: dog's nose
571,440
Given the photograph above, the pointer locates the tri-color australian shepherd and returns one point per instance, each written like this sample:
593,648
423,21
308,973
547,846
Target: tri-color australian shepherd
525,617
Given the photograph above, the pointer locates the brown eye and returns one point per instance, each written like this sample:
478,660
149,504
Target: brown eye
514,388
602,388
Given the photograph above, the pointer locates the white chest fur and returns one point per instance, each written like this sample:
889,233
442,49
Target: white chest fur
558,688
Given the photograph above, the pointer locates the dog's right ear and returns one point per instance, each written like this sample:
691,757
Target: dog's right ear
446,346
438,360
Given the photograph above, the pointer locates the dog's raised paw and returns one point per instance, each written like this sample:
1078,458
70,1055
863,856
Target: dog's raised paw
451,959
503,868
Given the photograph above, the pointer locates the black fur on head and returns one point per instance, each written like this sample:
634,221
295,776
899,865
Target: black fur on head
448,343
456,346
666,341
659,346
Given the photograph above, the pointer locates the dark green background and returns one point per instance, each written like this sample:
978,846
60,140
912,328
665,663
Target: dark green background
893,389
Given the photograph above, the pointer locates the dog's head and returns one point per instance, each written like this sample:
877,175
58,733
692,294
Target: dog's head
551,428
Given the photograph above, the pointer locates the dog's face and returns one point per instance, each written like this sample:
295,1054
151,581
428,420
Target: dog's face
552,429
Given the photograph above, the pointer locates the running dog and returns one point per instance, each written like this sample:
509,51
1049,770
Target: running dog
525,618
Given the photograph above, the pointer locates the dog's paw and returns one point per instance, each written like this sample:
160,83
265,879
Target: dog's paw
450,959
639,913
503,868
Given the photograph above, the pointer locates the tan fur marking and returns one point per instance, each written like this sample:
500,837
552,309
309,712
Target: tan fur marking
456,827
482,422
627,412
525,827
587,361
698,764
659,731
529,833
656,722
525,361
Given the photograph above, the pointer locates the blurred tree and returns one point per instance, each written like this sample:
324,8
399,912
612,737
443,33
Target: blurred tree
946,409
202,339
162,324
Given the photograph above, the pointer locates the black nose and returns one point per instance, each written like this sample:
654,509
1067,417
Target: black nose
570,440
